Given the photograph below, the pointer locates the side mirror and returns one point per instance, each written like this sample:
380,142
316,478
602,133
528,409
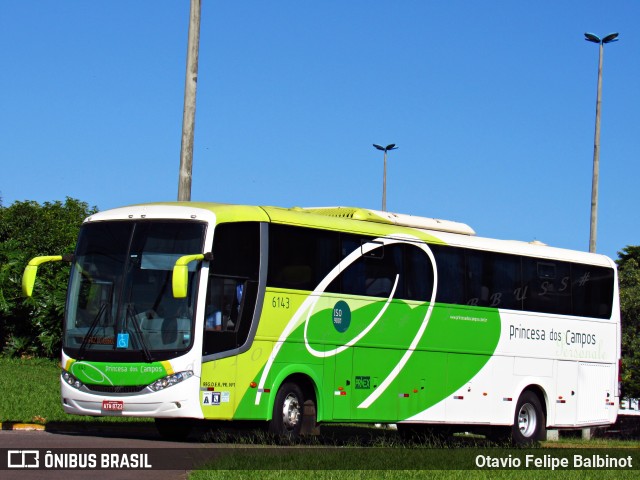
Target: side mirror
180,278
31,270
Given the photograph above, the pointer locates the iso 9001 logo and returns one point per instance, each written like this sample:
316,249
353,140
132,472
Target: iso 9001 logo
23,459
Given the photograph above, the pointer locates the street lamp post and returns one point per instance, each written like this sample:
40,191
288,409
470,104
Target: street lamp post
189,111
590,37
384,173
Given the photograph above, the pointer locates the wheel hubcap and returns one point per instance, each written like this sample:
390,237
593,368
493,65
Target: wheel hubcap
291,411
527,420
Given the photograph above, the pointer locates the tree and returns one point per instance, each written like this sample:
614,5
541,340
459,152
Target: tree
629,278
28,229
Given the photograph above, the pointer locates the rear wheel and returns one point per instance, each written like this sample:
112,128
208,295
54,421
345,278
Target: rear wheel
529,423
288,411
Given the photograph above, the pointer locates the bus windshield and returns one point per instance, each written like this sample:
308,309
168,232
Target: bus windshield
120,304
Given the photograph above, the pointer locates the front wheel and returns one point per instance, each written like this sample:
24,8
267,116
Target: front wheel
529,423
288,411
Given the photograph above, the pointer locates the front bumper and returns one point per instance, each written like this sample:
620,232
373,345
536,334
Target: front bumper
181,400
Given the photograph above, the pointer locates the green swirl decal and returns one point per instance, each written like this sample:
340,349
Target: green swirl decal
427,349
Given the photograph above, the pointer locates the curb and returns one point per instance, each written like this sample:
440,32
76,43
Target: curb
22,426
139,428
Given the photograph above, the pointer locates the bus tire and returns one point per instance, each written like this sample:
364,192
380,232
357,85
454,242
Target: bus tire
177,429
288,411
529,423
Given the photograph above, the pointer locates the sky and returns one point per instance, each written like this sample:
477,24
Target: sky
491,103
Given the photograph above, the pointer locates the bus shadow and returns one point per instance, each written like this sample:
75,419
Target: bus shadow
338,435
256,434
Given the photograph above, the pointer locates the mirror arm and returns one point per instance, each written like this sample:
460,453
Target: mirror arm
180,277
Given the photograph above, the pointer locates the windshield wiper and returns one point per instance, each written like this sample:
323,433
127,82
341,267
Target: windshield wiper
85,340
132,317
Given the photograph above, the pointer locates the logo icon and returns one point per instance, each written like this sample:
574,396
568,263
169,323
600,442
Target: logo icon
363,383
341,316
23,459
211,398
123,340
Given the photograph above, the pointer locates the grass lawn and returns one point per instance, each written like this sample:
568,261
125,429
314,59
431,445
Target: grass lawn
411,474
31,393
397,460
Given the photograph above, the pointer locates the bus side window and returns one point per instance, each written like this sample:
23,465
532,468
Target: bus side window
492,279
418,273
219,304
592,289
547,285
232,286
299,258
451,274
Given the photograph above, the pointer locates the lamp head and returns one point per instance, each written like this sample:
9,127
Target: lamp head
391,146
612,37
590,37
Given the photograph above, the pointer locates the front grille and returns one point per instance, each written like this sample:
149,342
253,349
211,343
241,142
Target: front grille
116,389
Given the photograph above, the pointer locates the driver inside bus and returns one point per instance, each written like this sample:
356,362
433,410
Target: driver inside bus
221,312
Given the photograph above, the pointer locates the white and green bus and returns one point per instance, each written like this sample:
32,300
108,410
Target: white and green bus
297,317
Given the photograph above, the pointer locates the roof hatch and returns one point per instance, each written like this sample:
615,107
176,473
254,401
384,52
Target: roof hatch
400,219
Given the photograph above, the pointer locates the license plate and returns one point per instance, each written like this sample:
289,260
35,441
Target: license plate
112,405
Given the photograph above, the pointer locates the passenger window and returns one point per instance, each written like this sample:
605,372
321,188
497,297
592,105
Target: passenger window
300,258
418,274
546,286
374,273
492,280
592,290
451,270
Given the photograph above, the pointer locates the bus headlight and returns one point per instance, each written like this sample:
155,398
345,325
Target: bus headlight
170,380
71,380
